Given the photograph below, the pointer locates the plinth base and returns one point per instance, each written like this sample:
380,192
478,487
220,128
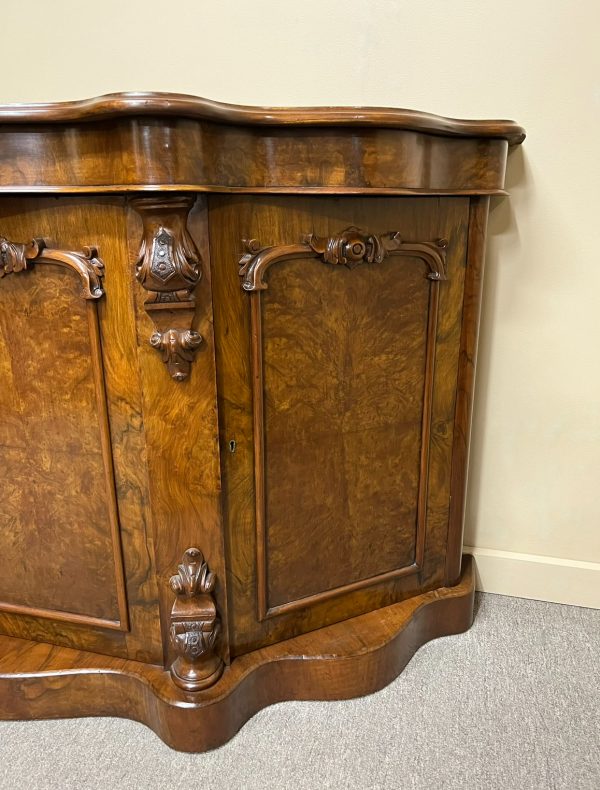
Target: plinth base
348,659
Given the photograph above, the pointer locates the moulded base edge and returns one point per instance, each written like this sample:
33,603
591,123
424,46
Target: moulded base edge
348,659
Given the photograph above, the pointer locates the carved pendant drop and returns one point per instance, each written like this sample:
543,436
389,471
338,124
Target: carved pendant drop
169,268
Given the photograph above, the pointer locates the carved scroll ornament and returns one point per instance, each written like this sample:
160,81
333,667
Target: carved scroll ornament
15,258
194,625
350,248
169,268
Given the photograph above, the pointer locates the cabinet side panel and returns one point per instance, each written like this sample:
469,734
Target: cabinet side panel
478,217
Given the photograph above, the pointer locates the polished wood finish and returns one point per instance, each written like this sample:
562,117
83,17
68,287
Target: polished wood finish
74,562
343,469
349,248
182,446
349,659
146,142
180,105
236,375
478,217
159,155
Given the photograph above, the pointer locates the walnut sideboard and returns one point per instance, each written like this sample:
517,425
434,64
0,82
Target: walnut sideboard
237,352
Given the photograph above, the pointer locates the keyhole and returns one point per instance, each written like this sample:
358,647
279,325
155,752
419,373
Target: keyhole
232,446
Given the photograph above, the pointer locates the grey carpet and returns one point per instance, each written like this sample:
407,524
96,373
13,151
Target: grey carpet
511,705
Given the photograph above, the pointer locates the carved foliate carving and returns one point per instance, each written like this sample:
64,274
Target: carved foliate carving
351,247
12,256
169,268
194,625
15,258
193,576
178,348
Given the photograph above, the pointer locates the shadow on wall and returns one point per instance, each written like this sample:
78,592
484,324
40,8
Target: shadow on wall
503,241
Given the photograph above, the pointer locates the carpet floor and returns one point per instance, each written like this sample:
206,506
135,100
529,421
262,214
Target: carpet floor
513,704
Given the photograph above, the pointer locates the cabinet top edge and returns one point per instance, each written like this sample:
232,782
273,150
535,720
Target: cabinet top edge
116,105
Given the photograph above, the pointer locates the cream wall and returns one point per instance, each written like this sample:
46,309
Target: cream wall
533,512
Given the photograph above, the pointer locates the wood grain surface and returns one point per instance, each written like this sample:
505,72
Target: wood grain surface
344,356
184,154
167,104
74,565
478,217
126,142
58,514
182,437
342,452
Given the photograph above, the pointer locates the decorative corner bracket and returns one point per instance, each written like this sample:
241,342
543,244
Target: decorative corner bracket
194,625
351,247
15,258
169,268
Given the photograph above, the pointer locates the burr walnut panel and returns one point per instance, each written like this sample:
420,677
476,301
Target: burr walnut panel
74,504
330,336
349,248
53,415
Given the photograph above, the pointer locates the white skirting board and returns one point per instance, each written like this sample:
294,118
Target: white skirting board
534,576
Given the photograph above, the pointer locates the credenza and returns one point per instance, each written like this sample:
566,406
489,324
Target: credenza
237,351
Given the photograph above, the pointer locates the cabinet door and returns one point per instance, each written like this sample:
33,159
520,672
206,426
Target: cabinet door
337,382
75,564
